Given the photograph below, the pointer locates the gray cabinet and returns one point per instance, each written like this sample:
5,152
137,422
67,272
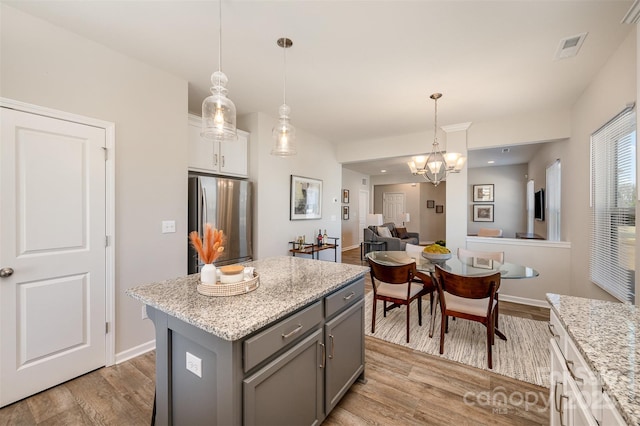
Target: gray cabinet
288,390
292,371
345,353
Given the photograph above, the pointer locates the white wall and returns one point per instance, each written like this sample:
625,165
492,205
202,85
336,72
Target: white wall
606,96
271,176
510,190
51,67
351,231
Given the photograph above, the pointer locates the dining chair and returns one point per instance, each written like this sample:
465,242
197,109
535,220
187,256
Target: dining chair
493,255
489,232
394,284
415,252
471,298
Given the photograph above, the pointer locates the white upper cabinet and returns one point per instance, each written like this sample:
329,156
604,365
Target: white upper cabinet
226,158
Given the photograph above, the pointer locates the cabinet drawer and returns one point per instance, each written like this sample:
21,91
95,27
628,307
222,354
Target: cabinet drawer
558,332
344,297
268,342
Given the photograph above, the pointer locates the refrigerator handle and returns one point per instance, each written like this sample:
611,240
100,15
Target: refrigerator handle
204,205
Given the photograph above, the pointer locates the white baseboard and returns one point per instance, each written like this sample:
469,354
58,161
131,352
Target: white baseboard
136,351
350,247
524,300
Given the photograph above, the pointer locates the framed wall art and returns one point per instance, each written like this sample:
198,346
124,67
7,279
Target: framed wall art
345,212
345,196
483,212
483,193
439,208
431,204
305,198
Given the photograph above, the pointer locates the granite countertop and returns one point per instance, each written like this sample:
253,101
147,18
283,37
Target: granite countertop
287,283
608,337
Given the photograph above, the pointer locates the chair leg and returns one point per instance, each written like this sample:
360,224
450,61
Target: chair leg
442,327
489,342
384,311
420,311
496,310
431,303
373,316
446,324
408,319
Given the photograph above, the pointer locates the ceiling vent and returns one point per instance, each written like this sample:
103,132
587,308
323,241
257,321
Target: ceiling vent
570,46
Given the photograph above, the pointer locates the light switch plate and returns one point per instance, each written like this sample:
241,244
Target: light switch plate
168,226
194,364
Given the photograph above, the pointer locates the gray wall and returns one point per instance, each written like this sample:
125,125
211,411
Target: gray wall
48,66
509,189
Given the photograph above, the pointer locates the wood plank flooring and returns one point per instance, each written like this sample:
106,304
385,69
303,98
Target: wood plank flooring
403,387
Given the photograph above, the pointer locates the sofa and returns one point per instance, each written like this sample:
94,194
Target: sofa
395,242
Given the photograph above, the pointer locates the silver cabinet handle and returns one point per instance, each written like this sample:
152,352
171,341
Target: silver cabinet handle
555,396
349,296
553,333
562,398
6,272
332,346
573,375
222,156
215,159
291,333
324,355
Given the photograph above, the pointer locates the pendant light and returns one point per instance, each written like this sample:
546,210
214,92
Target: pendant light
218,111
284,133
435,166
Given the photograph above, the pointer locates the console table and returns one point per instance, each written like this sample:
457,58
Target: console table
366,247
315,249
528,236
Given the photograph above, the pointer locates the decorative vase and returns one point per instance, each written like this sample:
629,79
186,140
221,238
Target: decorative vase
208,274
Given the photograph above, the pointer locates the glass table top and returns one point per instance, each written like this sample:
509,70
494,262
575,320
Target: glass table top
466,266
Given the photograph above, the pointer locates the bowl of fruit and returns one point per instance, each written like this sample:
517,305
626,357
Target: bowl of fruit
436,253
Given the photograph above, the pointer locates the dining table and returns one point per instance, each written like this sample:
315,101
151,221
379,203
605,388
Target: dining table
464,266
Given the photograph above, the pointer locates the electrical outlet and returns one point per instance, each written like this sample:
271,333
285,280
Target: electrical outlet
144,312
168,226
194,364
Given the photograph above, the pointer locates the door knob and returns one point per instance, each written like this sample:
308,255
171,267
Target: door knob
6,272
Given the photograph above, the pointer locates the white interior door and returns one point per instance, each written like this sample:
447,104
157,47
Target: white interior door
52,252
392,206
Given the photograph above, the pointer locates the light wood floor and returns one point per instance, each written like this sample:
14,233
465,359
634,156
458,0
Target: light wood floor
403,387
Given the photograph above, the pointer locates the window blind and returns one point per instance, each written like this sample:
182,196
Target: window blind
554,183
613,199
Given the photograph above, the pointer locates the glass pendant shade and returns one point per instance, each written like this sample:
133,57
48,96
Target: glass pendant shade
284,134
218,111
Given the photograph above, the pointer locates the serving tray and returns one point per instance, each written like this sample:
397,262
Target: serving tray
231,289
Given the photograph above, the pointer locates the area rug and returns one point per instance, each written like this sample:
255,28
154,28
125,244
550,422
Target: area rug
524,356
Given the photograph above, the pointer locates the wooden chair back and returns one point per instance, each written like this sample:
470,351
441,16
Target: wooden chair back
396,274
468,287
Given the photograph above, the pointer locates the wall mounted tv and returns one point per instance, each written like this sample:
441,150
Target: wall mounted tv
539,204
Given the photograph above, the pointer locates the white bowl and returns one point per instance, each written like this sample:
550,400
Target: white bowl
436,257
230,279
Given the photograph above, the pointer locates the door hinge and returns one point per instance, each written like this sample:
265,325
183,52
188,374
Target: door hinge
106,328
106,153
107,241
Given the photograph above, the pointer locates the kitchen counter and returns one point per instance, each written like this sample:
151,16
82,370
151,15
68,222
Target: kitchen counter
286,284
261,357
608,336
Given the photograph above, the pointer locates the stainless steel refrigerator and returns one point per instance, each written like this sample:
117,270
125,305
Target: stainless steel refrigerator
226,204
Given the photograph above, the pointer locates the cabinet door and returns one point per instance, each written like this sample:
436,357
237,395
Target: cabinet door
288,390
233,155
557,393
201,151
345,353
610,415
579,411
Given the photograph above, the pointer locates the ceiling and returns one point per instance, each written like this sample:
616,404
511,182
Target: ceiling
362,69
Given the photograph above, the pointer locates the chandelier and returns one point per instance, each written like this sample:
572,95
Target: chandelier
284,133
437,165
218,111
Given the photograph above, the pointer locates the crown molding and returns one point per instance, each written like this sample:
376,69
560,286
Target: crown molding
456,127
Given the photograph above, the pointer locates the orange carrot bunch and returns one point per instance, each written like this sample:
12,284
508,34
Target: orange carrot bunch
212,246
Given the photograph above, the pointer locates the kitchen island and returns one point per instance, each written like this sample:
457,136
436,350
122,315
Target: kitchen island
595,352
284,353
